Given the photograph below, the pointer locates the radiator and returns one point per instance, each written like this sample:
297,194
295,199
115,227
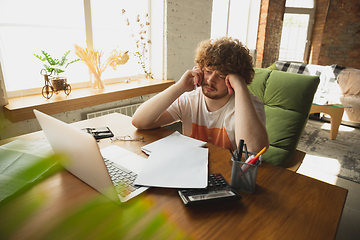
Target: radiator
128,110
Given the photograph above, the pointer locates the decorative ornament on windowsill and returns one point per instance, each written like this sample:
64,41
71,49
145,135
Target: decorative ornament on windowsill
54,84
141,41
93,59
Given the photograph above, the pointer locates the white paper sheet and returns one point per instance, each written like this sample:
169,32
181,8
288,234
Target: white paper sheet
175,166
37,147
175,139
124,157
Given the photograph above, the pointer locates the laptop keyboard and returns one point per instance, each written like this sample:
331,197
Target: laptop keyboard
122,178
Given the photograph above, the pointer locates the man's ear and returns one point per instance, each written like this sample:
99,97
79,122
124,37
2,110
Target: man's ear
228,85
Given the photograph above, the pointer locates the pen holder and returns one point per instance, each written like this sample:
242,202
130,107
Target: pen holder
243,176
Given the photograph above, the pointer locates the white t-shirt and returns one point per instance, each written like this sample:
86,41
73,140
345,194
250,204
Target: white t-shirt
216,127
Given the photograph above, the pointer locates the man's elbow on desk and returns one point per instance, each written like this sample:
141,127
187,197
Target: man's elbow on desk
139,121
138,124
145,122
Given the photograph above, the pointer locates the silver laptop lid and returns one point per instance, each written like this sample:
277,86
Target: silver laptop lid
84,157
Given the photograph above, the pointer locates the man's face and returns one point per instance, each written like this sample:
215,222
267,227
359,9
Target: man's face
213,85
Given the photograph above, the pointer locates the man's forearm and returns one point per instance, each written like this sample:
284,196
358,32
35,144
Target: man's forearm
248,125
152,113
149,113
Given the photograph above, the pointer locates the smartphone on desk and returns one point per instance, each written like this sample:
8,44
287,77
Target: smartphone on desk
218,189
99,132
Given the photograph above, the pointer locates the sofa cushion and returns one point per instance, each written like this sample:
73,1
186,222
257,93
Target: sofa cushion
287,98
328,91
300,68
353,113
272,67
349,81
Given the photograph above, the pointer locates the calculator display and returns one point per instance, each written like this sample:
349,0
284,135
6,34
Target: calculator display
212,195
217,190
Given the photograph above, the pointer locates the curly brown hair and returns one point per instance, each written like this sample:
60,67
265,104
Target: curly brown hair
226,55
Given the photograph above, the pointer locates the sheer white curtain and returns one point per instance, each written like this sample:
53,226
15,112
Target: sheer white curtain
238,19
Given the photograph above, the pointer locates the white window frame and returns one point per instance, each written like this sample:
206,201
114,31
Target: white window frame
311,13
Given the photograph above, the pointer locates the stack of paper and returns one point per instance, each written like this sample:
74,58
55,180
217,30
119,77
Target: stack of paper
176,139
176,161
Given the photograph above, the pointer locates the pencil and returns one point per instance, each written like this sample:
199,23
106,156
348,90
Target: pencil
261,152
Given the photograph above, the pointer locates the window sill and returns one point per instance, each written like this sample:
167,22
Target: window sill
21,108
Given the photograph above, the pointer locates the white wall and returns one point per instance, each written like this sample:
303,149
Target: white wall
188,23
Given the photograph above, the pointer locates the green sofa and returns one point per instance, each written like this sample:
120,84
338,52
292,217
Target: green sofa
287,98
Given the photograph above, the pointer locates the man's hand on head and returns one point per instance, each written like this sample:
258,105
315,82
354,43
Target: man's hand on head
198,80
233,81
191,78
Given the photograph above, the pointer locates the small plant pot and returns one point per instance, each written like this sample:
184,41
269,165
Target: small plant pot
58,83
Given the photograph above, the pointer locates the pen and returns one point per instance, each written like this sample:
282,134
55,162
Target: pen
242,174
232,154
234,177
246,152
234,170
254,159
240,149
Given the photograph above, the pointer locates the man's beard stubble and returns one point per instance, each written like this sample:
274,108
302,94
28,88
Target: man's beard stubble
214,94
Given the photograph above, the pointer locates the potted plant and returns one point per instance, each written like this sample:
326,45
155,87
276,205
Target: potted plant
56,66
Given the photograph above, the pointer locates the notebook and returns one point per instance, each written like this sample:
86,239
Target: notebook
86,161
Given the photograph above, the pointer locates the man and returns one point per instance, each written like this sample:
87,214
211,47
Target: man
221,110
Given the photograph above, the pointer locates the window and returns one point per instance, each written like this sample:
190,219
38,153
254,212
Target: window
110,31
28,27
296,31
238,19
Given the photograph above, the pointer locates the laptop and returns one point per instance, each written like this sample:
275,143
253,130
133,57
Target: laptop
86,162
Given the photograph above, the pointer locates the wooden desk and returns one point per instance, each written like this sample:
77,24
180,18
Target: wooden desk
285,205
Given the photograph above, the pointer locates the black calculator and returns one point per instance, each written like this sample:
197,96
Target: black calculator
218,189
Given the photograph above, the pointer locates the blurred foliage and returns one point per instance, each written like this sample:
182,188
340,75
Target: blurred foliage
99,218
103,219
17,176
